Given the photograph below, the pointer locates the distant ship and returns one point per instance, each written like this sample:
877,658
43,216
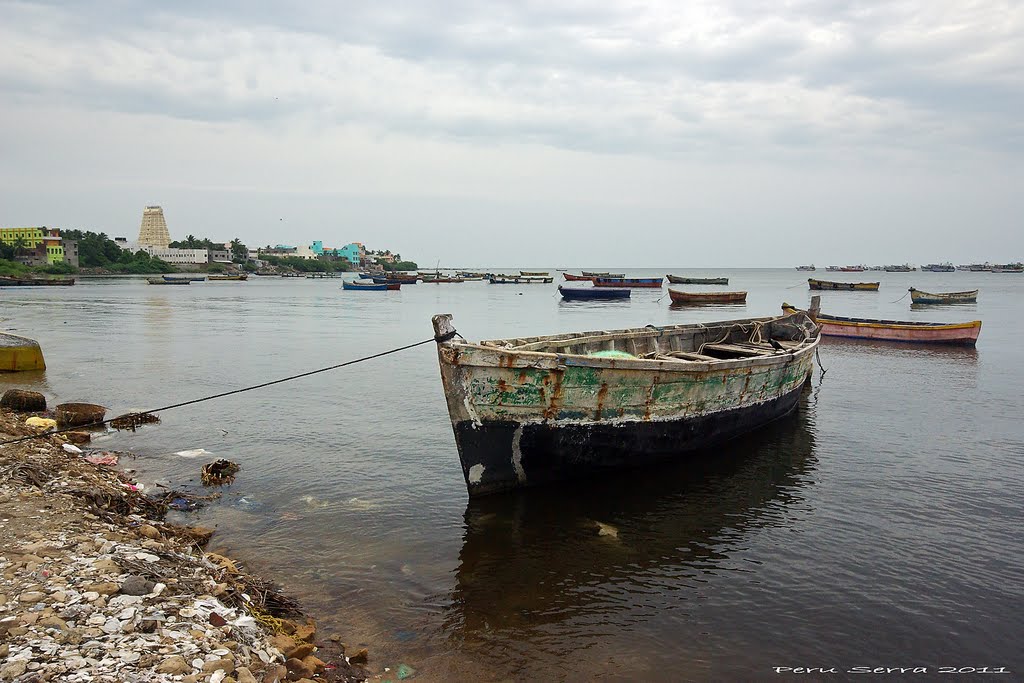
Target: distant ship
938,268
810,267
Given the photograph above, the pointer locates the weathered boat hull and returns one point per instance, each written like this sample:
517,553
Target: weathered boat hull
520,280
20,354
678,280
6,281
653,282
842,286
494,453
906,331
592,293
919,297
679,297
571,277
359,287
524,418
588,274
167,281
227,278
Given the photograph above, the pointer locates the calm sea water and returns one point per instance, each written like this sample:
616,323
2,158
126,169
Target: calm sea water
878,526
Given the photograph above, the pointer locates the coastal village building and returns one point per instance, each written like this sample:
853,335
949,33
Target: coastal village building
177,257
153,231
37,246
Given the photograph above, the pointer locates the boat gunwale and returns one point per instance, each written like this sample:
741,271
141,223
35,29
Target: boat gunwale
521,358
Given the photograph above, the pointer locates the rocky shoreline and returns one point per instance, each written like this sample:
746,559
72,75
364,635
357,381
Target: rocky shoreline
96,586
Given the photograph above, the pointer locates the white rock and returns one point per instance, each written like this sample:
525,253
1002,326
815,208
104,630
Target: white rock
126,613
90,596
147,557
197,663
111,626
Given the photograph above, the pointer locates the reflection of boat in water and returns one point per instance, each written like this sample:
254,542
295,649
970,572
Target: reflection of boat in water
546,565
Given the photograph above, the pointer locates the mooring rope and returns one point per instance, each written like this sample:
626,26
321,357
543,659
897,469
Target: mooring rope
901,298
437,339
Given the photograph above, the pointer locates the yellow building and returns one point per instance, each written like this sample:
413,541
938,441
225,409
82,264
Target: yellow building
35,242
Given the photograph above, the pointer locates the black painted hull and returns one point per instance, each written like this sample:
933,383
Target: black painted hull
492,452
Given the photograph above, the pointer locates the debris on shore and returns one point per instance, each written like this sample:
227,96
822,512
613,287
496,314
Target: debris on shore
96,586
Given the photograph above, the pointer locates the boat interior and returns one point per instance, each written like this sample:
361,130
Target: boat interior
750,338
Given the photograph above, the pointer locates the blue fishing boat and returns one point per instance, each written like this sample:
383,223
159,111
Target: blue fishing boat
364,286
592,293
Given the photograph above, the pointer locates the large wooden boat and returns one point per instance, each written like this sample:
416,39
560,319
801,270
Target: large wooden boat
938,268
919,297
572,277
520,280
679,280
587,273
9,281
842,286
189,278
20,354
534,410
239,278
1008,268
628,282
960,334
394,281
680,297
534,273
592,293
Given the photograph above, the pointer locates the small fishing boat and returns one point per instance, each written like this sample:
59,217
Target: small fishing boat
364,286
628,282
852,269
20,354
679,297
592,293
919,297
843,286
166,281
905,268
679,280
534,273
808,268
939,268
520,280
536,410
393,281
10,281
225,278
602,274
959,334
573,277
187,278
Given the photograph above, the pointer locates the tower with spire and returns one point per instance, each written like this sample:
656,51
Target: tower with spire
153,232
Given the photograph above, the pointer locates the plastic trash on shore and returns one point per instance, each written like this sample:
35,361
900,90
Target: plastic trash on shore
71,448
193,453
102,458
41,423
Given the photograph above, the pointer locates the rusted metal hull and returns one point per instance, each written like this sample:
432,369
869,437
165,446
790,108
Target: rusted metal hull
842,286
919,297
679,297
525,416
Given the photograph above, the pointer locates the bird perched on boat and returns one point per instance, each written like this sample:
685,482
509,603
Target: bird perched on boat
776,345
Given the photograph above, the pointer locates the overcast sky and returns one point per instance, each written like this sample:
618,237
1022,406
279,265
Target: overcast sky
736,133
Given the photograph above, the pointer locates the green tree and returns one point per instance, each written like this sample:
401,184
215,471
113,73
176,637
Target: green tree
239,252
